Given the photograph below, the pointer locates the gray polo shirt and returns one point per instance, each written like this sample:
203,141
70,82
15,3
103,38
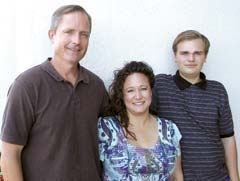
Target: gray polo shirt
56,122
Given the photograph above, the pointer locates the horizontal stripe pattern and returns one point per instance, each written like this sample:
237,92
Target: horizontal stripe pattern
203,116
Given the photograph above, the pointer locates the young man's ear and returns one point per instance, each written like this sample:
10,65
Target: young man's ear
205,57
174,58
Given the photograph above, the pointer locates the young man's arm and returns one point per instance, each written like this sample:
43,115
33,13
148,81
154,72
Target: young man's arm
11,162
231,157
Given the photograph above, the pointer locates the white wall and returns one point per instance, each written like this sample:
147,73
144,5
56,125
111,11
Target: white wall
126,30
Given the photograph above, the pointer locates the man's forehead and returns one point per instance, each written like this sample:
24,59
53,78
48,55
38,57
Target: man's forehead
197,43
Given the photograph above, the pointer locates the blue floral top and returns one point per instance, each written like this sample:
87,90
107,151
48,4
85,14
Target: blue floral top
126,162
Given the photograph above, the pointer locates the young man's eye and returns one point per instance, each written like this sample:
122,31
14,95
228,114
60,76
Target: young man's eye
198,53
183,53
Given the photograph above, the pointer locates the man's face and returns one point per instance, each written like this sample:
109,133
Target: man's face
190,57
70,39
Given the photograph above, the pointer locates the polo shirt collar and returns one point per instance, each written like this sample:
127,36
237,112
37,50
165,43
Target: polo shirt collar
184,84
48,67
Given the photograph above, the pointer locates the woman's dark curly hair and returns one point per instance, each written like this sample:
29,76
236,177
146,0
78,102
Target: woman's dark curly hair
116,94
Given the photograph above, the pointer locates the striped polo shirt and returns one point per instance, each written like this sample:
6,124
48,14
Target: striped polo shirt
202,113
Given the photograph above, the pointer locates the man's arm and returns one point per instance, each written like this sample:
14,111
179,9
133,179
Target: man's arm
231,157
11,162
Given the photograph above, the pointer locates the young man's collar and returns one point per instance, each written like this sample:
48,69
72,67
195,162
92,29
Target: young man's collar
183,84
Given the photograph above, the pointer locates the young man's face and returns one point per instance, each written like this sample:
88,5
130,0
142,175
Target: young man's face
70,39
190,57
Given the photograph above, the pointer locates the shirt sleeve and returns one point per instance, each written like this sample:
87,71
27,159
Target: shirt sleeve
107,135
176,138
170,134
18,116
225,116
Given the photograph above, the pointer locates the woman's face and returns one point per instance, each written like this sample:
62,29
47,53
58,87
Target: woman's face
137,94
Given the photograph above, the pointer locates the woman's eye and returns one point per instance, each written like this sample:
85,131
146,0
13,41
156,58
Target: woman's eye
130,90
144,88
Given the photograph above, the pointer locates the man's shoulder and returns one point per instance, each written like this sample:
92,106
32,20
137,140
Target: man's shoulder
91,75
30,74
29,78
215,84
163,76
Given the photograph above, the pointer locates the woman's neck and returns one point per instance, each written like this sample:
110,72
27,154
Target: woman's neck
145,130
141,120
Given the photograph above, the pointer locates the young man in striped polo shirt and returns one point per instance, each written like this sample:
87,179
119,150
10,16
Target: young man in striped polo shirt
200,108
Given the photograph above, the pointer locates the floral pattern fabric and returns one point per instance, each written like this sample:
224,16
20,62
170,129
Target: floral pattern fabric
126,162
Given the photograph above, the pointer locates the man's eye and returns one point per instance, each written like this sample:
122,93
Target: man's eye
198,53
68,32
85,35
184,53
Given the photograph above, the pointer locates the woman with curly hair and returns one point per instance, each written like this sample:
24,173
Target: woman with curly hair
135,144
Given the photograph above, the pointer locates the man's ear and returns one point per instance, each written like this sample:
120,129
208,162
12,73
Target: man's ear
205,58
51,34
174,58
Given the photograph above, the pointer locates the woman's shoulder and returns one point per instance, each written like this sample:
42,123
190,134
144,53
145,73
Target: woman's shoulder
165,122
110,132
109,121
109,125
168,129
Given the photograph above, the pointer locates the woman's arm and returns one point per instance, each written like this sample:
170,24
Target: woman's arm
178,173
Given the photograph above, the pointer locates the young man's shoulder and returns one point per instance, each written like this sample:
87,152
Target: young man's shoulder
163,75
215,84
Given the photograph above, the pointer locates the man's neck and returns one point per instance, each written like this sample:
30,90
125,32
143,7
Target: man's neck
68,71
193,79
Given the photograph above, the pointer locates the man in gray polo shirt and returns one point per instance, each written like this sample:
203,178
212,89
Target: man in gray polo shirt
49,130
